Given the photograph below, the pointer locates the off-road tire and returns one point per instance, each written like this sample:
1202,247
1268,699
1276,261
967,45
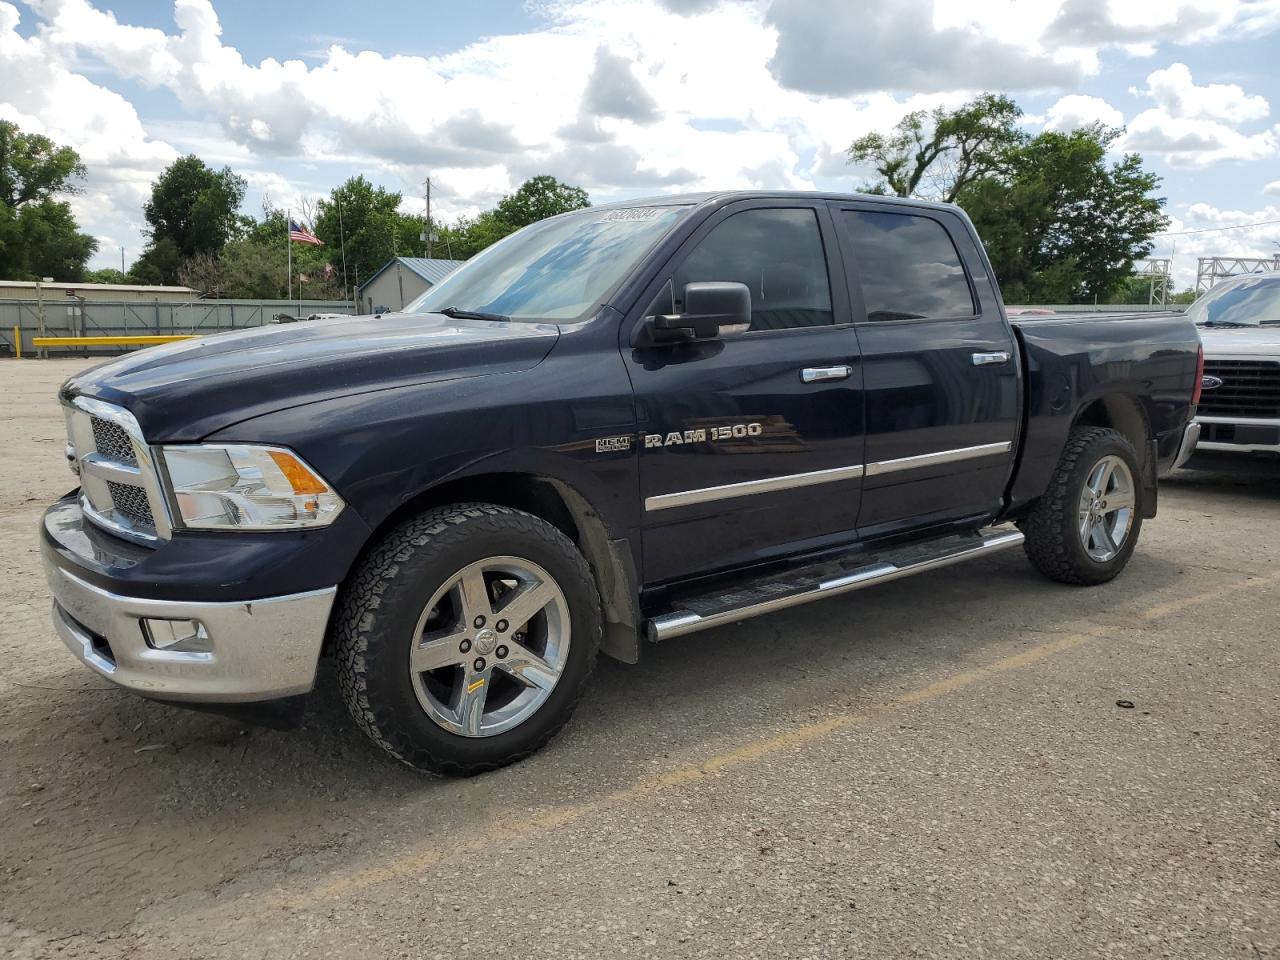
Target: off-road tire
1053,541
378,609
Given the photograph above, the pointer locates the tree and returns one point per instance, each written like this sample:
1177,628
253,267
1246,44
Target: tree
106,275
193,209
373,228
936,154
538,198
1059,223
39,235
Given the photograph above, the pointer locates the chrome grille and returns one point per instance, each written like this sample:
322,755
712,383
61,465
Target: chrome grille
1250,388
112,442
132,502
119,486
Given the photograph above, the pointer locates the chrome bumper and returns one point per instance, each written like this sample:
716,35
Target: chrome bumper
1190,437
251,650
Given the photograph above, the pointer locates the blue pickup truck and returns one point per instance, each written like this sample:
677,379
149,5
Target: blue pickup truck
615,427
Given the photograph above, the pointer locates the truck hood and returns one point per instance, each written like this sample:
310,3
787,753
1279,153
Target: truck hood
1240,341
184,391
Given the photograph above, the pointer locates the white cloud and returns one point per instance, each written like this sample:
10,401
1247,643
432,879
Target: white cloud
619,96
1272,189
1198,126
1075,111
42,95
1261,242
1176,93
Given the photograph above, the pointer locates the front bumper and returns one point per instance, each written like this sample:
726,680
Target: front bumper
182,645
255,650
1239,435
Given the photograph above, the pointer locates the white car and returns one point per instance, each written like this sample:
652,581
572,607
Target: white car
1239,324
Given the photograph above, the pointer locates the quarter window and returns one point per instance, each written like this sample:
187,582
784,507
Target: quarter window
908,266
778,254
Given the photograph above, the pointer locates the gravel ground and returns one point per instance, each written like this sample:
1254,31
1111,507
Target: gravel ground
935,768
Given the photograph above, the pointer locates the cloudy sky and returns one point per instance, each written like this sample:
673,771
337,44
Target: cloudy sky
632,97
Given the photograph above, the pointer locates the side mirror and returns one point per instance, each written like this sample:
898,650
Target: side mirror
711,309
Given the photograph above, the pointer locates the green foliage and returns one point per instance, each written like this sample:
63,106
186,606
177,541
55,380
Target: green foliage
1184,296
536,199
936,154
39,236
106,275
1060,224
193,209
374,229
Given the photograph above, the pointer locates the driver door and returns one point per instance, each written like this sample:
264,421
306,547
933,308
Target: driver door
751,443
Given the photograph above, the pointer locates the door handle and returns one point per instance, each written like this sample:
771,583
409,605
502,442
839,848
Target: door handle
816,374
996,356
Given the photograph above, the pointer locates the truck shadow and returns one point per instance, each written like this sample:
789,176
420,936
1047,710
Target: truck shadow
166,802
1225,473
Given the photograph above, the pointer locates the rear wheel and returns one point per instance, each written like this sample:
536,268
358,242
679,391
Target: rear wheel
1085,527
466,638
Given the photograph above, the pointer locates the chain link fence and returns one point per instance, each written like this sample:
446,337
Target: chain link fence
20,320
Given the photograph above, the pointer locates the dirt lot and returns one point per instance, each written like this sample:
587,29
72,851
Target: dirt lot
937,768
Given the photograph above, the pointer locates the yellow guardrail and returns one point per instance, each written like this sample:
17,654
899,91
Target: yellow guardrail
140,341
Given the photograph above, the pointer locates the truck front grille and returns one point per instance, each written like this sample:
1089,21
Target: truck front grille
119,487
112,442
1250,388
133,503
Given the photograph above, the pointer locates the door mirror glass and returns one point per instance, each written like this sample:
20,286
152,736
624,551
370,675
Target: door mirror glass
712,309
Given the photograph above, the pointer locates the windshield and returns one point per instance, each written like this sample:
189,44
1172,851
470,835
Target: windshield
558,269
1248,303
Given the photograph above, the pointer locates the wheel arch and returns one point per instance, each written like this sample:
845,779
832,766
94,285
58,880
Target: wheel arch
559,504
1125,414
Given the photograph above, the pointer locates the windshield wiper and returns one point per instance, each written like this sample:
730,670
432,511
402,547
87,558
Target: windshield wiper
1223,323
457,313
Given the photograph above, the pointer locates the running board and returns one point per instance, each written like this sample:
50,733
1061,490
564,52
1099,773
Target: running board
830,579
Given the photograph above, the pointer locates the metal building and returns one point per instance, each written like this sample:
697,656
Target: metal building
54,293
402,280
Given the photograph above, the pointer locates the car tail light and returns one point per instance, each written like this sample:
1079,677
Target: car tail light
1195,394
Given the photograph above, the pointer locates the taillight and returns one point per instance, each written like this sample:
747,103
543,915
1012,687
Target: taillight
1195,394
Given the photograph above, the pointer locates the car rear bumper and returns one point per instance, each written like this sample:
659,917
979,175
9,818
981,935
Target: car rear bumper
1190,437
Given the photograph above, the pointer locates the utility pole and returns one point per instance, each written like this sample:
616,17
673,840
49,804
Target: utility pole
427,230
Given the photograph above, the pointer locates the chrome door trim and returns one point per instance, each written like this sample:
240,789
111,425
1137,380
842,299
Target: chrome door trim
942,456
684,498
819,374
995,356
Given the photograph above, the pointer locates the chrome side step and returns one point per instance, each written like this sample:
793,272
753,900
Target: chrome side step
829,579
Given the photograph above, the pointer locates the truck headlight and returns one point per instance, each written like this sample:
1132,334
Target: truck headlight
242,487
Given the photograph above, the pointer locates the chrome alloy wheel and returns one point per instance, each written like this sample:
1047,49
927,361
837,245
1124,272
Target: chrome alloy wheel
1106,508
490,646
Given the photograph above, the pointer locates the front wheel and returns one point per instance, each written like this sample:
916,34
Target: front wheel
1085,527
465,639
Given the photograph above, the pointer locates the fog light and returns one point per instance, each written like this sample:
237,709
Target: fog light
186,636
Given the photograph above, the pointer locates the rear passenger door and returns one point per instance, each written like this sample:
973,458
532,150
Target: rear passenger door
940,367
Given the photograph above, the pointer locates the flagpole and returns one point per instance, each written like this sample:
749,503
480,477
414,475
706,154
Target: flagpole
288,242
342,243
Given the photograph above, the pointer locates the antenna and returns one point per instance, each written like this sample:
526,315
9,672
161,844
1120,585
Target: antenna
428,232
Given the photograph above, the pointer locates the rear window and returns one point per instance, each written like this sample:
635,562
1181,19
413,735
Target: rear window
909,267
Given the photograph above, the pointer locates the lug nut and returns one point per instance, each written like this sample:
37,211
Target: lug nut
502,626
479,622
501,652
464,646
479,664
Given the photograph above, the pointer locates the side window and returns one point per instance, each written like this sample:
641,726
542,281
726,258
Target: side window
909,267
778,255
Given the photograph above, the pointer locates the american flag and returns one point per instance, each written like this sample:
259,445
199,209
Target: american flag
303,235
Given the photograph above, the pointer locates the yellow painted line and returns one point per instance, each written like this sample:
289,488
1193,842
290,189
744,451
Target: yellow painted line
139,341
481,837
